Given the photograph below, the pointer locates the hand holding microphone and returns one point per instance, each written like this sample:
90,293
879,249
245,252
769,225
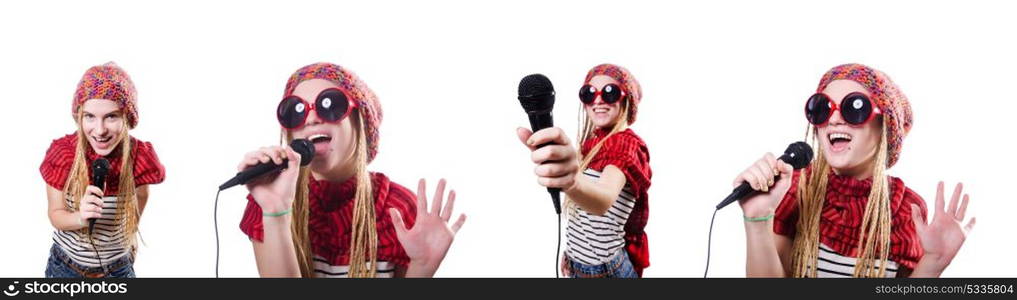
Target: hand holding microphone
91,202
90,208
557,161
536,95
767,180
760,177
762,186
271,173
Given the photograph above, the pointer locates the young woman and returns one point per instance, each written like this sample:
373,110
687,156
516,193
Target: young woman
105,109
333,218
605,182
843,216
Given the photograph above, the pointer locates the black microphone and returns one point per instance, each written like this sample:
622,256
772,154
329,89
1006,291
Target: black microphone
302,146
100,168
536,94
798,155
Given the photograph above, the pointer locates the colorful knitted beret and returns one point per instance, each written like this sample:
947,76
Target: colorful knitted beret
628,82
886,95
367,103
108,81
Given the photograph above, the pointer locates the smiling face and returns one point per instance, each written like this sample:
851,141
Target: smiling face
333,142
849,149
102,122
603,115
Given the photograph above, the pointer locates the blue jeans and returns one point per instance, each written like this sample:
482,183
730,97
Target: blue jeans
620,266
61,266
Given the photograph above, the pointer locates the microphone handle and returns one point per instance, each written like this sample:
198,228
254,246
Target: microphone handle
738,192
91,222
744,189
540,120
253,172
91,225
555,199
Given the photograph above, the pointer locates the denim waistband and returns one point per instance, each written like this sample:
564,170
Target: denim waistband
91,272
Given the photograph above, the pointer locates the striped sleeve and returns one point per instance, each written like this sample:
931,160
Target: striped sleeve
56,165
147,167
251,224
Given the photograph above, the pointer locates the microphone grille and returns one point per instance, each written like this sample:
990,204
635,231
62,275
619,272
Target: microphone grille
100,166
798,154
535,84
536,93
305,148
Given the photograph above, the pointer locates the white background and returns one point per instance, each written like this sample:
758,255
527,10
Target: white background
724,82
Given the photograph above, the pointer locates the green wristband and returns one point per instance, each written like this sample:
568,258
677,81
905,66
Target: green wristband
278,214
759,219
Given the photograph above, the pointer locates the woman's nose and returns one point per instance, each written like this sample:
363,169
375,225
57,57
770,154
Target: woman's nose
312,117
835,118
101,129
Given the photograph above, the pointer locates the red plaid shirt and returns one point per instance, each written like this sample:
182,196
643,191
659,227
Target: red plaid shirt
841,217
331,214
626,151
56,166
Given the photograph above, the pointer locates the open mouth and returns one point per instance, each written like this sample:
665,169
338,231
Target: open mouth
319,138
102,142
321,143
600,110
839,141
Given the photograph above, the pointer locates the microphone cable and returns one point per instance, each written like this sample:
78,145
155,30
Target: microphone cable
97,256
557,252
709,238
96,249
215,221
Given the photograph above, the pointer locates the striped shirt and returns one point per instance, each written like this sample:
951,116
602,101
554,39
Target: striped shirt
831,264
324,269
595,239
107,237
